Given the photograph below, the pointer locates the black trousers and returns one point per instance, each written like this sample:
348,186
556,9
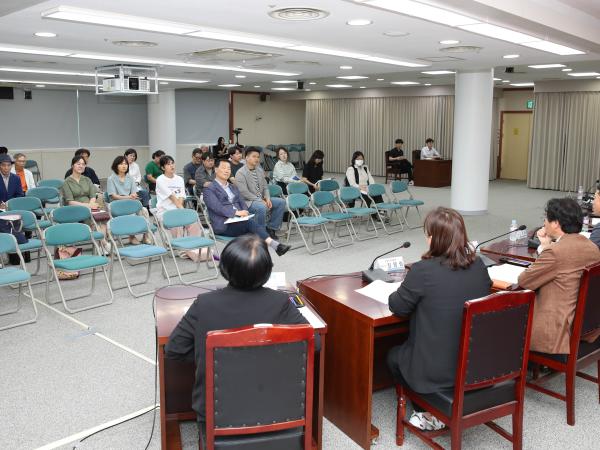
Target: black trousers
404,166
367,200
392,362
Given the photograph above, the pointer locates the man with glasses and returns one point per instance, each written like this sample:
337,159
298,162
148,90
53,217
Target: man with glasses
189,170
25,175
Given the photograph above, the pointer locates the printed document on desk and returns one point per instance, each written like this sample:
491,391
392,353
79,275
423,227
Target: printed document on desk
508,273
379,290
239,219
311,317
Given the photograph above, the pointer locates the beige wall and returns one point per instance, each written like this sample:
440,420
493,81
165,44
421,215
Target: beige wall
515,100
270,122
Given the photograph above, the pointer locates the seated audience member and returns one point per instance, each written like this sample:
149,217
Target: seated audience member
359,176
428,152
395,156
153,170
556,273
433,295
25,175
284,171
134,172
89,172
11,183
313,170
170,194
235,160
219,151
189,170
246,265
3,150
250,180
595,236
121,186
223,202
205,173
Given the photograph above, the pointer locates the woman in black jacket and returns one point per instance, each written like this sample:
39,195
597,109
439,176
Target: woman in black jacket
433,295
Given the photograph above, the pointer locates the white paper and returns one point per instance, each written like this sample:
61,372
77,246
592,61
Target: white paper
379,290
239,218
586,234
595,221
311,317
505,272
276,281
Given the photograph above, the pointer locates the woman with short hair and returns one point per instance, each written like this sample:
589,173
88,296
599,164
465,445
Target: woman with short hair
136,174
284,171
433,295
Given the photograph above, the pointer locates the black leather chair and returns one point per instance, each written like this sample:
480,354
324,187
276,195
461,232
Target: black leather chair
416,155
490,374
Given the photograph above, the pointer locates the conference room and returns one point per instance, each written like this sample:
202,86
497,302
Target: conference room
140,140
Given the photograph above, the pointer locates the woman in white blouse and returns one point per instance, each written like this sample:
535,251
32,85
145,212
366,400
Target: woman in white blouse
136,174
284,171
359,176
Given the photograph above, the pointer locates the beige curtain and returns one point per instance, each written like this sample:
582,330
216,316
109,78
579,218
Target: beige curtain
565,149
341,126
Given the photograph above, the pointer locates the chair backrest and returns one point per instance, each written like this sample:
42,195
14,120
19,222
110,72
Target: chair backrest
67,234
399,186
349,194
127,207
44,193
386,158
107,198
297,201
27,217
416,155
30,164
488,354
376,189
71,214
24,203
127,225
179,218
8,243
322,198
266,365
587,313
53,182
275,190
328,185
297,188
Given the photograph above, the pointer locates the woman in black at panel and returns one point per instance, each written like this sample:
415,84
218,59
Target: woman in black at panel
313,170
433,295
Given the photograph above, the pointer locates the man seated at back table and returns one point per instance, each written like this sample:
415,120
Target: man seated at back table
429,152
396,157
556,273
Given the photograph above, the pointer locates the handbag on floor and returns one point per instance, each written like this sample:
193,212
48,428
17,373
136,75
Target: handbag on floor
64,252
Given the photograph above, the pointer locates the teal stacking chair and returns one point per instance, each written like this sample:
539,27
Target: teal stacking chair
46,194
55,183
275,190
181,218
329,185
399,187
34,243
9,276
390,208
351,194
32,165
77,214
129,207
204,212
324,202
298,205
127,225
297,187
32,204
70,234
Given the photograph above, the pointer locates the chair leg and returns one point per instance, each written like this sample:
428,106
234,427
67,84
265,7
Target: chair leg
456,437
598,380
400,414
570,395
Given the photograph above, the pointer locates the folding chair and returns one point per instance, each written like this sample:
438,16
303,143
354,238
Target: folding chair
297,187
350,194
326,206
32,204
277,363
46,194
33,244
402,186
582,354
77,214
275,190
118,208
490,374
70,234
32,165
10,276
181,218
330,185
125,226
391,208
204,212
297,202
55,183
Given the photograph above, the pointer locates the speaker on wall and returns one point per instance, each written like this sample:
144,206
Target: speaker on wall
264,97
27,95
7,93
300,85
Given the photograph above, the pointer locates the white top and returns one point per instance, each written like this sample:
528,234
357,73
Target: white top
426,153
284,172
364,177
134,171
165,187
29,180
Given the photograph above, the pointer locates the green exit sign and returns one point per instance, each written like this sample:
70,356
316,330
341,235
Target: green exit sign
530,104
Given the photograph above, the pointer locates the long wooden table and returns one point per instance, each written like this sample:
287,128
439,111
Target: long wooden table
176,378
509,249
432,172
360,333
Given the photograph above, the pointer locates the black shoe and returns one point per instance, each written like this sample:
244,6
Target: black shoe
272,233
282,249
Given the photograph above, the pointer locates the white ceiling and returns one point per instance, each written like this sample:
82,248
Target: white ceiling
250,16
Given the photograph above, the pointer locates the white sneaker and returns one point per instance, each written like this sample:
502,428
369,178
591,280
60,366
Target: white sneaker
420,421
411,183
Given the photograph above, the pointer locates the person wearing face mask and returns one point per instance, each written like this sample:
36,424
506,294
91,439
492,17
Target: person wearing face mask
359,176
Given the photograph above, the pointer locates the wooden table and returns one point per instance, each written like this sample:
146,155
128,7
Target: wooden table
360,333
432,172
509,249
176,378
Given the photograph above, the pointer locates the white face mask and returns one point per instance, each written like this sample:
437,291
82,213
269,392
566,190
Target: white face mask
359,162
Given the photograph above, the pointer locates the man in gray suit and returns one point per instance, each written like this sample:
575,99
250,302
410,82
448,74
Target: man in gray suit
250,181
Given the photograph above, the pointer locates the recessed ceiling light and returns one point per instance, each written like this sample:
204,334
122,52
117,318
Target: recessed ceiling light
546,66
522,84
135,44
506,81
583,74
427,84
163,82
45,34
380,79
404,83
597,78
362,87
312,82
40,85
346,67
427,12
229,85
284,81
353,77
395,33
339,85
513,56
359,22
567,70
449,42
438,72
298,13
282,89
307,90
257,86
551,47
240,76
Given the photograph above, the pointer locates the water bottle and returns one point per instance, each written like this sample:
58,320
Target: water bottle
586,223
580,195
513,230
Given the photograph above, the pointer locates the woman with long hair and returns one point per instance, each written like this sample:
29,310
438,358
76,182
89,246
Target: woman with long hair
313,170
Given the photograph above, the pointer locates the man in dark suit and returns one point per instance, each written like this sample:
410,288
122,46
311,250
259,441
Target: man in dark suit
246,264
10,187
395,157
223,202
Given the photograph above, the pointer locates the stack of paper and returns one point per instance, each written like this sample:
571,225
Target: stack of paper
379,290
311,317
276,281
505,274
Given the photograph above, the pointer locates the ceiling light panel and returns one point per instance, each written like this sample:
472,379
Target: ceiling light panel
49,72
422,11
551,47
511,56
284,81
183,80
496,32
583,74
522,84
352,77
229,85
57,83
438,72
241,39
33,50
449,42
45,34
393,62
339,85
359,22
283,89
328,51
546,66
404,83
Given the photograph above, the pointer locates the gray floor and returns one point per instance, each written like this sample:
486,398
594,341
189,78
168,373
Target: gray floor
59,380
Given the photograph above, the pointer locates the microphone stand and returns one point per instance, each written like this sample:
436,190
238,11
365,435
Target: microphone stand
372,274
488,261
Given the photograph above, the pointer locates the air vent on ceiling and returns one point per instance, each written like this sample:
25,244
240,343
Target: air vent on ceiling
461,49
135,43
228,55
298,13
191,72
303,63
439,59
261,66
32,61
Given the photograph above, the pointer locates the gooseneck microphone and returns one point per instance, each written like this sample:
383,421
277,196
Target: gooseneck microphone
371,274
521,228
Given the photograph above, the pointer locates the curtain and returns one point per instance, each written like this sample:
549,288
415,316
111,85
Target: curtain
341,126
566,141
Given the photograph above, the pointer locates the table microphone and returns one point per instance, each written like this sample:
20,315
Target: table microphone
488,261
371,274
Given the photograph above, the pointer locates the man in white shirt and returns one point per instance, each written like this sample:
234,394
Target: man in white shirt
25,175
429,151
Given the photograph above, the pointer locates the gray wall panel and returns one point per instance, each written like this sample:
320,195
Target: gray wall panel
201,116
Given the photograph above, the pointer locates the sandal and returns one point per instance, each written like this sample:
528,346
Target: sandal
419,420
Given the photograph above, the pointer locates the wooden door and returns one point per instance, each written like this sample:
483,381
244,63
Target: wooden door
516,135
